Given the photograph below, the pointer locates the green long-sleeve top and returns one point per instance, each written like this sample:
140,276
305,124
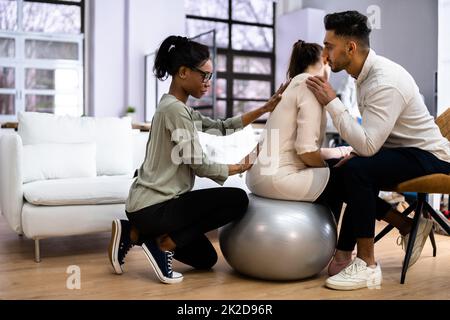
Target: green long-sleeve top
174,155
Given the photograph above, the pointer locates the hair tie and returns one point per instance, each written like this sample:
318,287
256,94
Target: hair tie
179,41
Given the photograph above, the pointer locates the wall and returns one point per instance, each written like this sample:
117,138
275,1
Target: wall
307,24
107,70
150,22
122,33
444,57
286,6
408,35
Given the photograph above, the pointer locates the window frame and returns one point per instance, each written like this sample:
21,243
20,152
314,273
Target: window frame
20,63
229,75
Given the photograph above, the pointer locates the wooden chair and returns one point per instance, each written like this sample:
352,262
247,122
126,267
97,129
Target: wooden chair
433,183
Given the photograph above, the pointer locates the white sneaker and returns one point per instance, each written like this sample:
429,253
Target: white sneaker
423,231
356,275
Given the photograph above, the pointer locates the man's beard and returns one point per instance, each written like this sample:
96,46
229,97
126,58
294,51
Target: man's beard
336,69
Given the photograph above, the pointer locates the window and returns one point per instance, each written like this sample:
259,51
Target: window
245,61
41,57
207,105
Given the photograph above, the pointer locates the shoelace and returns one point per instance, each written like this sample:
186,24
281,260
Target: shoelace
169,255
126,251
352,268
400,241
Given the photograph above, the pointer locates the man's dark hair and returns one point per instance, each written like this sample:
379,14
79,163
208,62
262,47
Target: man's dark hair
349,24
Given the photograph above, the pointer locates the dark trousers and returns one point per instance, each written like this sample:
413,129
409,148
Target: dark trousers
359,180
187,218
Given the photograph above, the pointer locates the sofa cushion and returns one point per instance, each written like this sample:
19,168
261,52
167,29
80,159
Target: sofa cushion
36,128
78,191
58,161
113,137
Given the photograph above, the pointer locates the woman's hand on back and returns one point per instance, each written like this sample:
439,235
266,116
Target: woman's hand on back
275,99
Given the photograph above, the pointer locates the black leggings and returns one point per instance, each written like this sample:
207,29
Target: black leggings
359,181
187,218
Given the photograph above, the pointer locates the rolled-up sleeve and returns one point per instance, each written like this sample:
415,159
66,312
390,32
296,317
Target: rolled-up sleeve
188,150
380,113
309,117
217,127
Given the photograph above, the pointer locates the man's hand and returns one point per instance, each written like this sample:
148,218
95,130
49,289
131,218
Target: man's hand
344,160
322,89
345,150
273,101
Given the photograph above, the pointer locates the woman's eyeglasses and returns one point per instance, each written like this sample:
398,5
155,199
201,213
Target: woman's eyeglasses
206,75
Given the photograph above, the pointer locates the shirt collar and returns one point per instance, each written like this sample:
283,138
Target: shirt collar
370,60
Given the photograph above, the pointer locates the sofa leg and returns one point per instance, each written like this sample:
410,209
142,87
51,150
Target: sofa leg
37,251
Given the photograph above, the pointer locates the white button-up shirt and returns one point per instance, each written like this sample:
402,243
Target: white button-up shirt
392,110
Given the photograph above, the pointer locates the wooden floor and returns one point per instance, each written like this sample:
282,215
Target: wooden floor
22,278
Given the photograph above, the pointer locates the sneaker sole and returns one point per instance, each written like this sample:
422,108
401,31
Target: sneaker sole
348,288
113,248
155,267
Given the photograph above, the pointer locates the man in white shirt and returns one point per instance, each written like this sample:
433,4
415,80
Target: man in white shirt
397,140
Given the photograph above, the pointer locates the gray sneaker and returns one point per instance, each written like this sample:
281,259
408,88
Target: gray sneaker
423,231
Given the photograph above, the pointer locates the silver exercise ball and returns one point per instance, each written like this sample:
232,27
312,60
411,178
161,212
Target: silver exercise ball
280,240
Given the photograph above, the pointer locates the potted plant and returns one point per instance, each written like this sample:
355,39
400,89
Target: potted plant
131,112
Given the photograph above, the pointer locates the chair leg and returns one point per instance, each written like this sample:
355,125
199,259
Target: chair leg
389,227
412,236
383,232
37,251
426,214
433,243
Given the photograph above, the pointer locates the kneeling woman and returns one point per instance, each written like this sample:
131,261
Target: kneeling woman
165,217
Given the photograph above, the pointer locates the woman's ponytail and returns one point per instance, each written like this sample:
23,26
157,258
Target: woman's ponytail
161,66
176,51
303,55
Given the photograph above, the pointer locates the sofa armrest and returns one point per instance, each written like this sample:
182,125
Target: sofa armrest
11,180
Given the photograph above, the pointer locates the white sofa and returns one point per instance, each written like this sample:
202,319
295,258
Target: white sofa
62,176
